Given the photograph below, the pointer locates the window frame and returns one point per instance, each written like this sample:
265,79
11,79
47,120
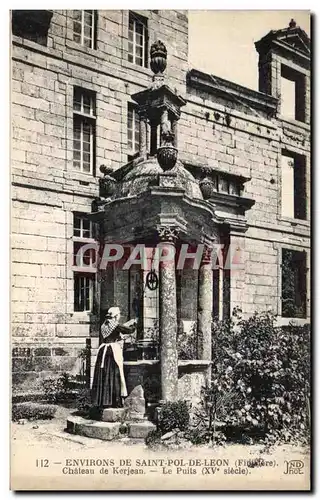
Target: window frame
299,79
87,270
137,19
300,211
82,217
303,256
91,278
82,23
82,118
135,131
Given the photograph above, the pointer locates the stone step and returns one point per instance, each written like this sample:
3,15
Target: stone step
92,428
140,429
112,414
107,430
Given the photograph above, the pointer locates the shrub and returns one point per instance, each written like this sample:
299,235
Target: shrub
198,436
32,411
153,438
174,415
59,388
83,401
260,378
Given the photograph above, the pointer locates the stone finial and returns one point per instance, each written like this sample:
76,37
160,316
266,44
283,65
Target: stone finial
158,57
292,24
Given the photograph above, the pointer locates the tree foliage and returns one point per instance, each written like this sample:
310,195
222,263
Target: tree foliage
260,379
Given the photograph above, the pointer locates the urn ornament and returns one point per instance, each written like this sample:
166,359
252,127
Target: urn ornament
167,154
158,57
208,187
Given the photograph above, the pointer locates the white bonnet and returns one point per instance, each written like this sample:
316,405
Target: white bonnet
113,311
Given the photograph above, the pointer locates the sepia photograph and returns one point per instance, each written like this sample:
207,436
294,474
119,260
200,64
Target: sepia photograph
160,166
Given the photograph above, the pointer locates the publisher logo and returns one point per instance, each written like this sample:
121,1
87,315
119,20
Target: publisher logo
293,466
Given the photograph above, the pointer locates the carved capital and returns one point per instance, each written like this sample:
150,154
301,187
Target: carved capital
143,114
167,234
206,256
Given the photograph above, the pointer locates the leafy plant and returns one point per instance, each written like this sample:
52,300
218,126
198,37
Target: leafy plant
83,401
153,438
57,388
174,415
84,356
32,411
187,343
260,379
198,435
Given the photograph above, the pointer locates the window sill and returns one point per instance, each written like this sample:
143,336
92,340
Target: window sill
136,67
85,269
78,239
38,47
81,176
295,222
70,44
297,123
298,321
82,316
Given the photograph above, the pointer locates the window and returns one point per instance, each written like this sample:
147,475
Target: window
292,94
82,235
83,292
138,43
133,132
293,186
83,130
84,27
32,25
84,260
293,294
82,227
221,281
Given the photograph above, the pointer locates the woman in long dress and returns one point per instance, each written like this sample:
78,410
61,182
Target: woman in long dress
109,385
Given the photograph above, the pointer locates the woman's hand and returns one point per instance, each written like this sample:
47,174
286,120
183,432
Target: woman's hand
132,322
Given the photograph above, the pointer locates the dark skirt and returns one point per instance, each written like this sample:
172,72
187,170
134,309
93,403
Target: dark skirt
106,386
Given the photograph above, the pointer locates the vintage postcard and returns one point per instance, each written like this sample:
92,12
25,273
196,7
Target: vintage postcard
160,250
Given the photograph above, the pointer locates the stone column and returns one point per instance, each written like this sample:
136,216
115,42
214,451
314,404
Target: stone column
153,138
164,126
205,303
174,127
168,317
143,136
